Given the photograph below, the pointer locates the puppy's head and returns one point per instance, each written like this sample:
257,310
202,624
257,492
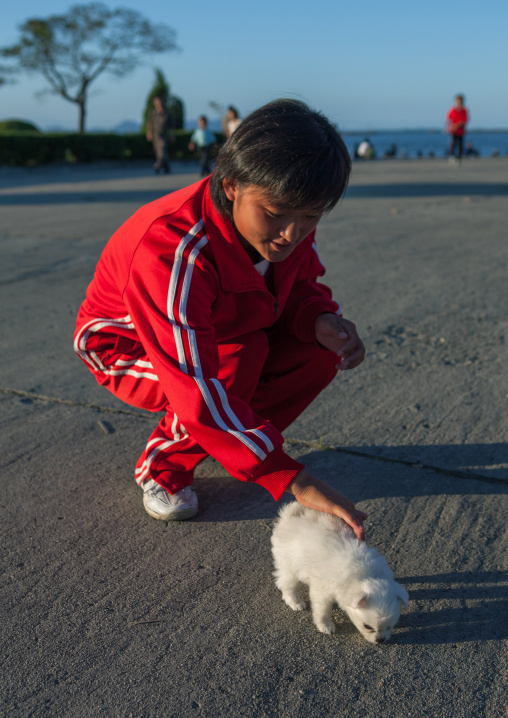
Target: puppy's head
374,607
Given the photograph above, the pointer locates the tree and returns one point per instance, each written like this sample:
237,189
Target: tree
160,88
6,74
72,50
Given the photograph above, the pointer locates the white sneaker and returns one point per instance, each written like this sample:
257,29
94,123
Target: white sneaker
160,504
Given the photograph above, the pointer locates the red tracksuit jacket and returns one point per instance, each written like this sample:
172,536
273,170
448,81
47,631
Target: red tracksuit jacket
175,279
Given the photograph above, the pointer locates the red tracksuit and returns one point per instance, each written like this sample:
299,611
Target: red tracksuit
177,319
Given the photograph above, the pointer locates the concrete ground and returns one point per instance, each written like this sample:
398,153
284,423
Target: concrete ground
107,612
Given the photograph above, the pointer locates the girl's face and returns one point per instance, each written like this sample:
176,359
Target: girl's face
273,230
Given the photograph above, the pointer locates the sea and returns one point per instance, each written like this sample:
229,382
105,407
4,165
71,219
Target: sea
413,143
428,143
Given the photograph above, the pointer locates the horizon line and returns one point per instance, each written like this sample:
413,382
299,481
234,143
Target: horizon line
430,130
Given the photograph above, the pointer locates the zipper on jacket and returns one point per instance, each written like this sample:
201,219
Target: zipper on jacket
276,307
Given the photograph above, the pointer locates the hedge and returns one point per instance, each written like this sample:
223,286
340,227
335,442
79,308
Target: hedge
36,149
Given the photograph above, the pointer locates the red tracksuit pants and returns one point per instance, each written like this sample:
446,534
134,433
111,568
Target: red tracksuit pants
276,374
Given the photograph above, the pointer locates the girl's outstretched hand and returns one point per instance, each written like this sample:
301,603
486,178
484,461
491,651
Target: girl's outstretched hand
315,494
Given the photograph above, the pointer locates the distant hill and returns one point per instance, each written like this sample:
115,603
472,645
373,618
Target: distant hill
57,128
126,127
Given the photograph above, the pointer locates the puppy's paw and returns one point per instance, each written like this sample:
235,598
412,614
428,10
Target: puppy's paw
326,626
295,603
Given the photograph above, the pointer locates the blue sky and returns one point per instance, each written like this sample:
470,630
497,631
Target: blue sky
366,64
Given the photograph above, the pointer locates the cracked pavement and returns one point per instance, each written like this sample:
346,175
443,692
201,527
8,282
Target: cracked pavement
107,612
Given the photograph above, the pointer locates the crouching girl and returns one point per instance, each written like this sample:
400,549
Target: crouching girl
206,305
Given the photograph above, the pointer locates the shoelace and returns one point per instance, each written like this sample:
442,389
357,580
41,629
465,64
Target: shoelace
184,494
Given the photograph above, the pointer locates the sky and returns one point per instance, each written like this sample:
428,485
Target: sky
368,65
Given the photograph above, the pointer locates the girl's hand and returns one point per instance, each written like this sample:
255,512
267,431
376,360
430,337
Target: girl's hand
315,494
340,336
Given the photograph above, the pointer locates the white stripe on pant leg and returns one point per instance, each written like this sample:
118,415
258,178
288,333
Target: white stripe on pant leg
152,442
97,360
132,369
164,443
151,457
137,362
94,326
132,372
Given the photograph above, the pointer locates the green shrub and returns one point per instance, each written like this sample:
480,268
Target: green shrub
17,126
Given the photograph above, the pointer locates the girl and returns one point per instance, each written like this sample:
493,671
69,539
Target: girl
205,305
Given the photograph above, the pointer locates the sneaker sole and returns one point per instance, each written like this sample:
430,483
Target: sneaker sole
176,515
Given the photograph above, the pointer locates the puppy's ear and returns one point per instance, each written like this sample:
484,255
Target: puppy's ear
358,599
401,593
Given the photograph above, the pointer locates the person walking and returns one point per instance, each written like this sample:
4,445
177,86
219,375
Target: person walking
457,119
160,121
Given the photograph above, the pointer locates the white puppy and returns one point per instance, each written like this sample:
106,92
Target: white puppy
322,551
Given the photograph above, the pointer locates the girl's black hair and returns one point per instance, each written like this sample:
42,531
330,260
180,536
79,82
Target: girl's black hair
292,152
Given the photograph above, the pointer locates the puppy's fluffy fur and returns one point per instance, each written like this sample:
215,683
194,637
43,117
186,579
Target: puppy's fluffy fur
322,551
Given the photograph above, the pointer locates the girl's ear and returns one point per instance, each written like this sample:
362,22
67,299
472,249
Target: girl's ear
230,189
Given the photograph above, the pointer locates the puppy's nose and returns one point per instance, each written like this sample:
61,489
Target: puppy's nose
380,640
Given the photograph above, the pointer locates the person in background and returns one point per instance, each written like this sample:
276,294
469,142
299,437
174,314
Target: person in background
471,151
391,151
457,119
203,139
230,121
366,150
160,121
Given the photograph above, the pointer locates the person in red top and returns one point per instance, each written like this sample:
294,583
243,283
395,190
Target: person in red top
206,305
457,119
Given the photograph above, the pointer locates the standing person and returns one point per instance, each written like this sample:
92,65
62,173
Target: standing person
203,139
206,305
457,119
160,122
230,121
